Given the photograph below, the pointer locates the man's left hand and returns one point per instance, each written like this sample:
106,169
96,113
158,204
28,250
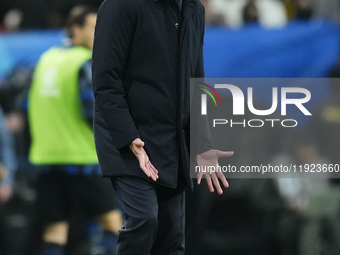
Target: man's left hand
210,158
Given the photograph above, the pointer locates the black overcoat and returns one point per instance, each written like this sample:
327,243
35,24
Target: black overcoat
145,52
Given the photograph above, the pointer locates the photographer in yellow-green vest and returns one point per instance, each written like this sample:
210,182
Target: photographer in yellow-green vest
60,117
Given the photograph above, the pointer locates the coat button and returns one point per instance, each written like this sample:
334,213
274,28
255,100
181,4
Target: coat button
176,25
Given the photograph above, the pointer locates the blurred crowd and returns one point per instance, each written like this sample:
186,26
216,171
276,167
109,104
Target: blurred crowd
282,216
21,14
269,13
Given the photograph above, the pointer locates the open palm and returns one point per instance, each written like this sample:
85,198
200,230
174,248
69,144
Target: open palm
209,159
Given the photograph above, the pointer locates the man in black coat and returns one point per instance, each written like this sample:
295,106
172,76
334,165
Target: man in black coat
145,53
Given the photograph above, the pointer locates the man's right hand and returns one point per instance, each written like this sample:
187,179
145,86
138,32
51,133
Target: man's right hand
137,148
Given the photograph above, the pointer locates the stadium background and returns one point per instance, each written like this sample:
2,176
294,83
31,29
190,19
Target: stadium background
281,39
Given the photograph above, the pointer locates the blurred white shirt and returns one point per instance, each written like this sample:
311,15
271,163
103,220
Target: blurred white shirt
272,13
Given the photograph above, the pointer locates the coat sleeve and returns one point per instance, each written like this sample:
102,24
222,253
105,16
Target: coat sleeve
113,39
201,135
199,72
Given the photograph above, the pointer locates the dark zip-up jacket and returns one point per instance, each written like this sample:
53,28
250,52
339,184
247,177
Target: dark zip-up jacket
145,53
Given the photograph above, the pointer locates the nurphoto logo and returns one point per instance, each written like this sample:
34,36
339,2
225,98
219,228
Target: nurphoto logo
238,98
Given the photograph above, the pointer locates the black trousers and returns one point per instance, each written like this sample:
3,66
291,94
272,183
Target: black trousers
154,217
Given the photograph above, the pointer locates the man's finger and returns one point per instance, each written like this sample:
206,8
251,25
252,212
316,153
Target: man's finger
145,170
224,153
210,185
199,178
223,179
146,165
154,174
153,168
143,165
149,165
138,142
217,184
154,177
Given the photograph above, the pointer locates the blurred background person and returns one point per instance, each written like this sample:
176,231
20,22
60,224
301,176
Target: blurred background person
329,9
212,18
271,13
311,204
326,9
6,63
11,21
8,166
304,10
8,161
60,118
325,123
250,14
